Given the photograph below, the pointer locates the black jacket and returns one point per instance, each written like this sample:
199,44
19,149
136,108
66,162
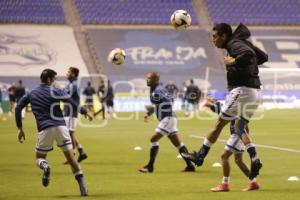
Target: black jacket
193,93
245,71
107,93
20,92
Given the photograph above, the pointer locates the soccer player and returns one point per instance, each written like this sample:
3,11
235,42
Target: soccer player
109,100
45,103
181,95
192,95
12,98
167,125
71,113
101,95
89,91
20,91
244,90
234,146
106,96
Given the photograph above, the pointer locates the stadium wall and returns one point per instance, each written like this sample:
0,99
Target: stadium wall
28,49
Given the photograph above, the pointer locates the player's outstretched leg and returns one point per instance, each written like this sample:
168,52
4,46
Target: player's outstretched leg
182,150
224,186
77,172
149,168
253,184
43,165
76,145
198,157
256,164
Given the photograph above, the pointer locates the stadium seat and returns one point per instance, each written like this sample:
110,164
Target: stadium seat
31,11
131,12
255,12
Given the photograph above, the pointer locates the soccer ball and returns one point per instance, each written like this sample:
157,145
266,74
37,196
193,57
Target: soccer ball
117,56
181,19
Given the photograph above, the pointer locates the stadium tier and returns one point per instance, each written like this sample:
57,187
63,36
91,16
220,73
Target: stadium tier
131,12
256,12
31,11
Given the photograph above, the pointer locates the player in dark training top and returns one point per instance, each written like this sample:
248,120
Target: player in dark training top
244,90
45,102
168,123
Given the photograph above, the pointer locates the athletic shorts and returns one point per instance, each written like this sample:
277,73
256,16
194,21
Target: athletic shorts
241,102
167,126
71,123
110,103
47,136
235,144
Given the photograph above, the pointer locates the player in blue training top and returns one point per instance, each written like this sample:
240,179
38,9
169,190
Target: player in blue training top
71,113
168,122
45,103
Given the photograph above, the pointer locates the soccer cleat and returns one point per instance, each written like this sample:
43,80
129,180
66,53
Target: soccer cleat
147,169
255,167
223,187
189,169
82,157
194,157
83,190
46,177
252,186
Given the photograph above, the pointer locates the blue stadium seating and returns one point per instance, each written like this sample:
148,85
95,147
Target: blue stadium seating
131,11
256,12
31,11
260,12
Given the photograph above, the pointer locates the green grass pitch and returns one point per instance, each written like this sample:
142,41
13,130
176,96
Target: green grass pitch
111,168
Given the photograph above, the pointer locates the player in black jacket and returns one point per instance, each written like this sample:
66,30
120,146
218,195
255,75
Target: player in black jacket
244,89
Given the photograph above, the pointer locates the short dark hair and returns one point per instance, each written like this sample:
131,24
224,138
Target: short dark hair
20,82
89,83
223,28
47,74
74,70
192,81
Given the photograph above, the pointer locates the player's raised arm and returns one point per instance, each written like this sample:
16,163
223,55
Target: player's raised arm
64,96
70,90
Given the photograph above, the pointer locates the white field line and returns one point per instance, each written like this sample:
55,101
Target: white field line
257,145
